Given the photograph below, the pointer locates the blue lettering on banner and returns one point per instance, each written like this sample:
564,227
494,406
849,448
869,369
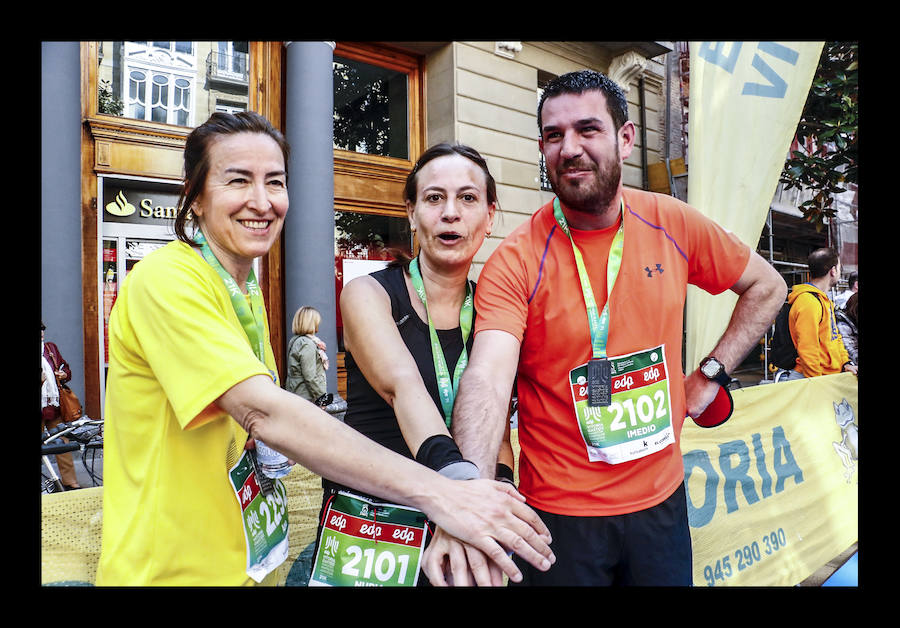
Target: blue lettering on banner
734,464
714,52
777,86
761,466
725,56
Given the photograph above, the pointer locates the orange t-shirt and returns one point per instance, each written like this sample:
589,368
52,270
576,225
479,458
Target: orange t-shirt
530,288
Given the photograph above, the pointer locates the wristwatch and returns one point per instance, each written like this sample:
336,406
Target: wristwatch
714,370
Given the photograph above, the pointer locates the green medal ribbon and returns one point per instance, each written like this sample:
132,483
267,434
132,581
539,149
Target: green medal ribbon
250,315
266,545
599,323
447,387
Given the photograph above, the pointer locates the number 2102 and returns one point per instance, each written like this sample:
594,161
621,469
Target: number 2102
643,409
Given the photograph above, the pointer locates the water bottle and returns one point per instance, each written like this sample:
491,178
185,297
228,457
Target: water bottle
271,462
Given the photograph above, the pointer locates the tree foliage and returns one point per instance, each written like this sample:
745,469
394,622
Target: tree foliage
106,101
361,111
827,158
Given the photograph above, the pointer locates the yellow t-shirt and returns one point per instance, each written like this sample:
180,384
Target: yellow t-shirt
170,515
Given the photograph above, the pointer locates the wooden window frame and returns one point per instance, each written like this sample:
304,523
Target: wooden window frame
412,66
373,184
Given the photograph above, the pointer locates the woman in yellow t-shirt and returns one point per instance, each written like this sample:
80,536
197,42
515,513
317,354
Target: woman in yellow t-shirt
192,384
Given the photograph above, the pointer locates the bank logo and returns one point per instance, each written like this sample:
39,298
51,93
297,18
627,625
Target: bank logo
658,270
120,206
848,447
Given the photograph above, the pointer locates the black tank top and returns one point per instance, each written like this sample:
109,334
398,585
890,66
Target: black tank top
367,412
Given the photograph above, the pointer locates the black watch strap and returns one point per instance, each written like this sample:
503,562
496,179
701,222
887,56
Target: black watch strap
723,378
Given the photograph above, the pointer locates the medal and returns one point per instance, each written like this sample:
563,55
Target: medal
599,381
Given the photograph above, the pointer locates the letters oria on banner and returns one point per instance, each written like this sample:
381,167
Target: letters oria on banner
773,494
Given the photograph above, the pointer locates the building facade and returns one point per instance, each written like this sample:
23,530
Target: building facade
357,115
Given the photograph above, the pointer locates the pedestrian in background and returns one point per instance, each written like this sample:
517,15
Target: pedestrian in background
813,325
852,288
307,360
848,325
55,372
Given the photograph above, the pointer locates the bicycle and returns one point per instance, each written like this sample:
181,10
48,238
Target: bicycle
84,434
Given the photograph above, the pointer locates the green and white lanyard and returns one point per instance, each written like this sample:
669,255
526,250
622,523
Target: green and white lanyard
259,498
599,376
447,387
250,316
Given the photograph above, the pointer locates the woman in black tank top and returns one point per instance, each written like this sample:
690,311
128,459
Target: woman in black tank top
395,339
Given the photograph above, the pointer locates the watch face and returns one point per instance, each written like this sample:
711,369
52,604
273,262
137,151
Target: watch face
710,368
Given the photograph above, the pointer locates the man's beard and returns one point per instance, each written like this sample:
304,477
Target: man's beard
593,196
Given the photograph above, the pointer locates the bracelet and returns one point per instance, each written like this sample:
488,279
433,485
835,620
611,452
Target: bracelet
504,473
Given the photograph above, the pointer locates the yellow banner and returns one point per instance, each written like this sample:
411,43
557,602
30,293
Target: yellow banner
745,101
773,494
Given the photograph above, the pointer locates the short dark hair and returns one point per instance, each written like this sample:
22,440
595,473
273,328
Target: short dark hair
851,308
583,81
853,278
196,156
821,261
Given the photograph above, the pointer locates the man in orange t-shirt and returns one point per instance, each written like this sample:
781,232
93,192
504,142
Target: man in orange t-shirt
602,394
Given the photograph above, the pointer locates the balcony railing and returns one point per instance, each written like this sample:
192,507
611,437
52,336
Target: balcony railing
230,68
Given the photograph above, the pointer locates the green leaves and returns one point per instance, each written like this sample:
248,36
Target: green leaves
827,133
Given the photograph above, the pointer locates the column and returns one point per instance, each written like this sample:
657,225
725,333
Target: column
61,295
308,236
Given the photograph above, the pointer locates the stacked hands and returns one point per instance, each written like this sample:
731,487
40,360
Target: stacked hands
496,523
488,554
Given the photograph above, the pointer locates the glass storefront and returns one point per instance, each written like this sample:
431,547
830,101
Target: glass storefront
370,109
136,218
364,243
120,253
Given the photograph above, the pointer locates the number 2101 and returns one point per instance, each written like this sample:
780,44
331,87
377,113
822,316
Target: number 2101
383,566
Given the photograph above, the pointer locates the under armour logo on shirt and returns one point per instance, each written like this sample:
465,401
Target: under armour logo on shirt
658,270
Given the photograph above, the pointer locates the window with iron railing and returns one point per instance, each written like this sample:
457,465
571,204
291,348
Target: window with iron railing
229,62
